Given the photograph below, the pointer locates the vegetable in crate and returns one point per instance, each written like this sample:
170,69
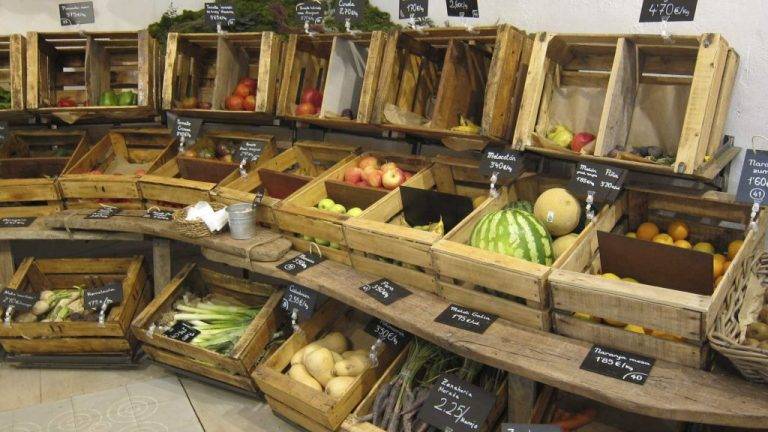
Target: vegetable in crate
5,99
58,306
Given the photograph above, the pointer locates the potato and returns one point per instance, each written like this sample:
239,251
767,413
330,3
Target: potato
764,345
337,387
319,364
758,330
298,356
764,315
299,373
348,354
336,357
334,341
754,343
351,367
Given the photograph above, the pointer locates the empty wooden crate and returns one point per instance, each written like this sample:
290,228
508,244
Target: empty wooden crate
233,367
13,73
76,332
654,104
203,70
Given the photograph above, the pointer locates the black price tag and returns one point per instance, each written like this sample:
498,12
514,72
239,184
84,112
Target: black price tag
454,404
182,331
249,151
301,299
414,9
21,301
76,13
388,333
111,293
463,8
385,291
507,164
220,14
187,128
671,10
161,215
310,12
624,366
4,131
300,262
104,213
349,10
753,182
16,222
517,427
604,182
466,319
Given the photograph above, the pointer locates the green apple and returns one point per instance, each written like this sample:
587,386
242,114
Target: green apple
355,211
325,204
338,208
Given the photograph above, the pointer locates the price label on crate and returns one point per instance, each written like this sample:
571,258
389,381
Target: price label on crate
604,182
517,427
111,293
16,222
669,10
220,15
506,164
454,404
466,319
414,9
21,301
249,151
463,8
753,183
104,213
4,131
76,13
161,215
301,299
386,332
182,331
385,291
311,12
187,129
624,366
300,262
348,10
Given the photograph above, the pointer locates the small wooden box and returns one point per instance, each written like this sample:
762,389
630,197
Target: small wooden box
79,337
632,91
186,180
577,287
13,73
109,172
298,216
283,175
208,66
233,369
312,409
82,66
442,74
30,162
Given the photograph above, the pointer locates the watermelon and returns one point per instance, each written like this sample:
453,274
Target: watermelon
514,232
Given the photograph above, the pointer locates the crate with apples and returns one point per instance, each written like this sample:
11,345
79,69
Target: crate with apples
13,75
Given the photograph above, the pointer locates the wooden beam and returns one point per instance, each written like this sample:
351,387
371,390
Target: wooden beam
161,263
619,99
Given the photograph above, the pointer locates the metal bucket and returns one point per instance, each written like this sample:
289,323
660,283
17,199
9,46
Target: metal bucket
242,221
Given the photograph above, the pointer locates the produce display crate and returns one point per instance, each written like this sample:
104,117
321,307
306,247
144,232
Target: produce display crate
81,66
512,288
442,74
312,409
684,317
233,369
79,337
344,67
283,175
632,91
30,162
13,73
298,217
109,172
191,176
380,235
208,67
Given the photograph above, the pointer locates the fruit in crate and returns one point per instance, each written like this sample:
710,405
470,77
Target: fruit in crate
355,211
733,248
392,179
312,96
108,98
249,103
353,175
306,108
558,210
437,227
367,161
678,230
560,135
562,244
704,247
127,98
234,103
189,103
248,82
242,90
663,239
647,231
66,102
466,126
581,140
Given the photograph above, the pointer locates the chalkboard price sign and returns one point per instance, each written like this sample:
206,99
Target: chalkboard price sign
349,10
454,404
187,128
605,182
249,151
466,319
301,299
4,131
668,10
414,9
753,183
76,13
219,14
20,301
161,215
310,12
16,222
385,291
463,8
624,366
509,427
104,213
506,164
300,262
111,293
386,332
182,331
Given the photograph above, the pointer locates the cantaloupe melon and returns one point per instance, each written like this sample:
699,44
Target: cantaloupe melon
558,210
562,244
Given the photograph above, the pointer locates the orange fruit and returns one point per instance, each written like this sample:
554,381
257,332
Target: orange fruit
719,257
678,230
685,244
717,268
717,281
726,265
705,247
663,239
647,231
733,248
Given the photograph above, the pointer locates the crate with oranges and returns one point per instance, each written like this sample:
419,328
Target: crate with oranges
634,313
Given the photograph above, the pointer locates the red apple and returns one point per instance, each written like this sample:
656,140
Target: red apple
234,103
368,161
242,90
313,96
388,166
250,82
374,179
580,140
362,183
368,170
306,108
392,179
140,172
353,175
249,103
407,176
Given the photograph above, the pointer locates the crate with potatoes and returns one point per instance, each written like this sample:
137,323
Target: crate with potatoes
498,259
315,214
659,275
644,102
319,375
214,160
393,237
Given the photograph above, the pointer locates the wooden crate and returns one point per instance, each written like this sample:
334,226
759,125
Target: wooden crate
208,67
502,285
632,90
109,172
79,337
312,409
13,72
577,287
440,74
344,67
301,220
82,66
383,244
283,175
186,180
234,368
30,162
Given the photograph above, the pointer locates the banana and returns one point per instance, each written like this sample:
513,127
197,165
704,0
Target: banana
466,126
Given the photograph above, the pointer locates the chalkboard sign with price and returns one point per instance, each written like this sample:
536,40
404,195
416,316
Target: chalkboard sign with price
753,182
349,10
463,8
301,299
668,10
387,333
456,404
310,12
413,9
187,128
505,164
220,14
76,13
624,366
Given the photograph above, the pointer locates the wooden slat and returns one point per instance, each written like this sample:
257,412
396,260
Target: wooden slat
620,96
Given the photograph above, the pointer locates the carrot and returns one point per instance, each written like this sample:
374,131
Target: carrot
579,420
